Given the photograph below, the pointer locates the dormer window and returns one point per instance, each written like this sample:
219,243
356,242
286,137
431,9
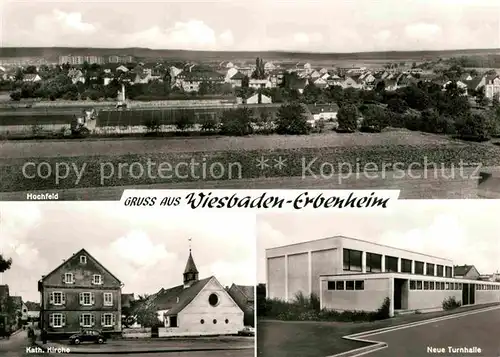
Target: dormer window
97,279
69,278
83,259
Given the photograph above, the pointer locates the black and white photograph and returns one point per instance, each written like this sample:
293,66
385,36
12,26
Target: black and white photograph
99,96
420,280
100,280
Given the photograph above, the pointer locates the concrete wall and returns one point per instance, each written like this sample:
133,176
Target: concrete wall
323,262
276,278
227,315
298,275
370,299
487,294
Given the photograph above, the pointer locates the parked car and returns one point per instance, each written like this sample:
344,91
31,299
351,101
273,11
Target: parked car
247,331
87,336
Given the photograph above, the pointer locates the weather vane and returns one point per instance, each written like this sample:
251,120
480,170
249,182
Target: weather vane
189,244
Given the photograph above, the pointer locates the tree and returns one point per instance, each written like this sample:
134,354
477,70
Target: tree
475,127
185,121
291,120
5,264
147,315
375,118
245,82
236,122
208,123
347,118
16,95
397,105
312,94
264,123
153,126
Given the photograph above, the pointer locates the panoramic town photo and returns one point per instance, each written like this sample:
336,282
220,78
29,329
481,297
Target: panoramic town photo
422,279
332,94
97,279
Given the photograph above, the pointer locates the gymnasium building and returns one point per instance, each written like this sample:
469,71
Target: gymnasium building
352,274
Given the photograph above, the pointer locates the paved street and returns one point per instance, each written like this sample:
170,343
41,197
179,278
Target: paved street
242,353
15,346
481,330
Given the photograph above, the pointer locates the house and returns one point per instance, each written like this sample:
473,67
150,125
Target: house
325,76
323,111
244,296
466,272
122,68
474,84
230,73
174,72
351,82
143,78
31,77
259,98
315,74
80,293
357,275
191,81
197,307
21,310
492,86
320,83
76,76
269,66
460,85
33,310
259,83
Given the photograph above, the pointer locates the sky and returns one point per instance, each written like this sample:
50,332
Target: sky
465,231
254,25
147,250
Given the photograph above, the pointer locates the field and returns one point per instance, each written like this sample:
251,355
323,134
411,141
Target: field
108,163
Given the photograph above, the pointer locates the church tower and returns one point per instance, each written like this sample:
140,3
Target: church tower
190,273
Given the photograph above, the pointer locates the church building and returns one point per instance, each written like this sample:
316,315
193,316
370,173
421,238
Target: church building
197,307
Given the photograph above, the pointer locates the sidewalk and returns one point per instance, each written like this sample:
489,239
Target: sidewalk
128,347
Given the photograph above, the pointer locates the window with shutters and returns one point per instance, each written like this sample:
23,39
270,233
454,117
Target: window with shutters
87,320
108,299
97,279
57,320
57,298
69,278
86,299
107,320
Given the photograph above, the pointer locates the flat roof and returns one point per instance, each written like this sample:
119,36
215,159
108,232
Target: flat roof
404,276
359,240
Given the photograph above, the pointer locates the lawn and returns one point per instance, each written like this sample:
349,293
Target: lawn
321,339
229,158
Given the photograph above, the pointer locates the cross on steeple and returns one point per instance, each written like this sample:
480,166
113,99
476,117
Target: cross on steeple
190,273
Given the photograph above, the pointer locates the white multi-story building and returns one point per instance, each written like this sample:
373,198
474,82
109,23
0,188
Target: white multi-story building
492,87
352,274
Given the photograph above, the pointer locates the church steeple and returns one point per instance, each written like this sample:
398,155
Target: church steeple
190,273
